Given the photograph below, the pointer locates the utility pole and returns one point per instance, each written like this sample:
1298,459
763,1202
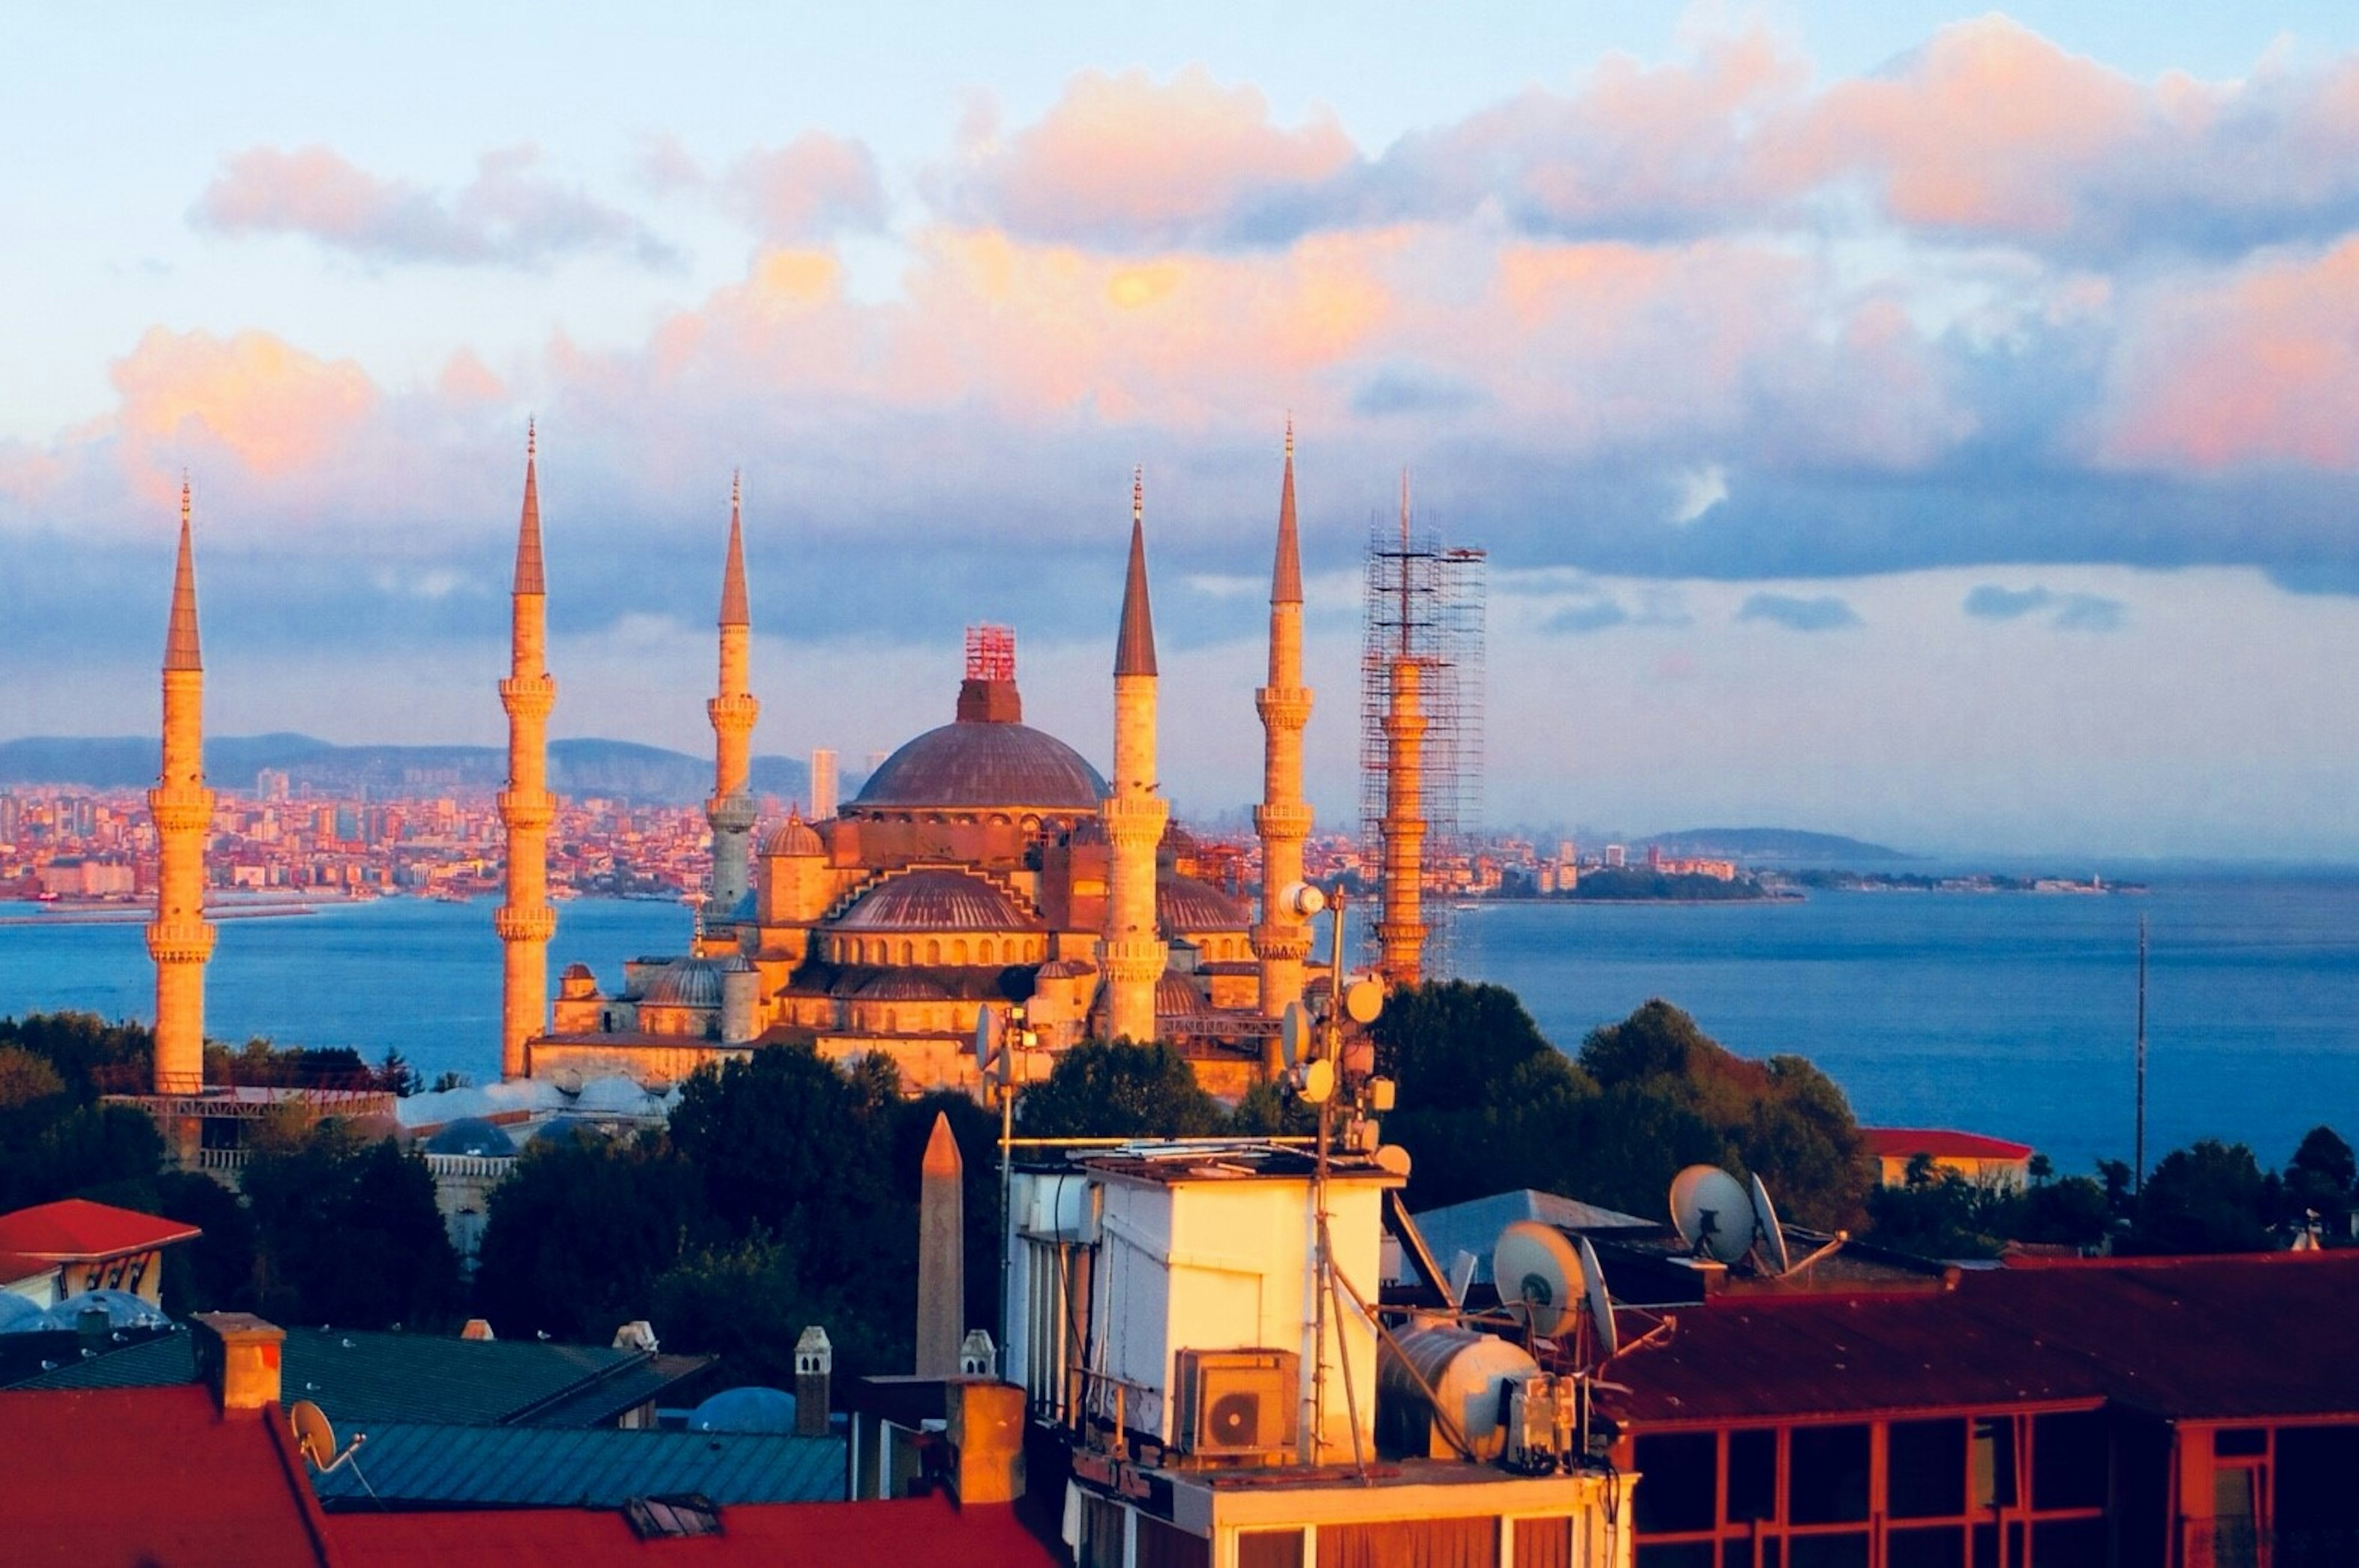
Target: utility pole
2137,1179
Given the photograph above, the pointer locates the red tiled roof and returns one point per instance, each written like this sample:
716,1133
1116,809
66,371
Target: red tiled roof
930,1530
148,1475
15,1266
2186,1338
75,1228
1941,1142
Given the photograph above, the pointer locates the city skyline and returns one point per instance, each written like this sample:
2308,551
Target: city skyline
1935,431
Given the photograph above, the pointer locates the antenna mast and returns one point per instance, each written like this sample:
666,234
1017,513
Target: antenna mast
2137,1178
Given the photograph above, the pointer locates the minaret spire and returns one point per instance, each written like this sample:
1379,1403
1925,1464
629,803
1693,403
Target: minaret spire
732,710
1133,811
1400,923
180,939
1281,942
526,920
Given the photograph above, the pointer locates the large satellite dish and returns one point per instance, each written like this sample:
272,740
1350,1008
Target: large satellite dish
1318,1082
1601,1306
313,1435
1533,1264
1364,1000
1772,1234
1293,1033
987,1040
1714,1214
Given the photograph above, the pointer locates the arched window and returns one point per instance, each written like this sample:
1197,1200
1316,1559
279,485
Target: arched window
908,952
934,950
891,1022
958,951
985,957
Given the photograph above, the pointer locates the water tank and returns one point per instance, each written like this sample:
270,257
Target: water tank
1467,1371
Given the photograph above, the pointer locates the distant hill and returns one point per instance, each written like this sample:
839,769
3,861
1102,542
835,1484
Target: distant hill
621,769
1758,845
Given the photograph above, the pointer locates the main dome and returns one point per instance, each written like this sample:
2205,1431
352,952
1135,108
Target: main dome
980,765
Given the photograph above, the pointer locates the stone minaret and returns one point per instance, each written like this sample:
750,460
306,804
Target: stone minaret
1400,925
1283,818
526,921
181,939
732,710
1133,812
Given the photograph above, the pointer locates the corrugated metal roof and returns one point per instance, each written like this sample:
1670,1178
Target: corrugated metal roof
522,1466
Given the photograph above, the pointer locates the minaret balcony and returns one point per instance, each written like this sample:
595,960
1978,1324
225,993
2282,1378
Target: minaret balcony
731,813
1132,816
1290,944
180,941
733,714
1283,707
1282,819
528,923
528,696
1133,958
526,811
179,809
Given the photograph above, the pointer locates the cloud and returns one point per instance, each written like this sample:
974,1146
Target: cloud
1698,492
1824,614
1127,162
507,216
1597,615
814,186
2074,611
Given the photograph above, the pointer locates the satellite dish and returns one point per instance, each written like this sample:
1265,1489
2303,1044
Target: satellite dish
1601,1306
1772,1234
1303,899
987,1040
1462,1275
1534,1264
1318,1082
313,1435
1714,1214
1364,999
1392,1158
1293,1033
567,1081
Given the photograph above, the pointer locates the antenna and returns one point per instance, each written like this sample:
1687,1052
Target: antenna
1364,1000
2137,1177
1293,1030
1534,1266
1769,1232
1601,1306
986,1041
316,1438
1705,1203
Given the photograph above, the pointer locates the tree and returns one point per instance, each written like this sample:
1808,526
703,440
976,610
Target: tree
1452,1046
2321,1178
2209,1197
395,1075
1117,1090
25,1078
348,1231
580,1232
215,1272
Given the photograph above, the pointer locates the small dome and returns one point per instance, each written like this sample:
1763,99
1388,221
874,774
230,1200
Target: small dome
793,837
123,1310
472,1135
981,766
1065,970
576,972
1183,904
935,900
1176,996
899,985
736,964
745,1410
565,1130
685,982
18,1316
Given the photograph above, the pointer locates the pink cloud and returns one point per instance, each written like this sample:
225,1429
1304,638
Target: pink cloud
2258,366
1128,160
272,407
812,186
508,215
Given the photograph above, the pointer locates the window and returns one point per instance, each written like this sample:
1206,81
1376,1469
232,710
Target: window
1938,1546
1752,1476
1270,1548
1676,1482
1993,1462
1827,1482
1926,1469
2068,1461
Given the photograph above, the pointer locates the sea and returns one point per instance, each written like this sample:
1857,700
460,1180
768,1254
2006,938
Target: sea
2009,1013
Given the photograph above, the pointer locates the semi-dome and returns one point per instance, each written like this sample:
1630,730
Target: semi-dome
1176,996
793,837
685,982
899,985
936,899
976,764
1183,904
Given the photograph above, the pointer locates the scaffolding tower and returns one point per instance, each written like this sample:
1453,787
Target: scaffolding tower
1425,602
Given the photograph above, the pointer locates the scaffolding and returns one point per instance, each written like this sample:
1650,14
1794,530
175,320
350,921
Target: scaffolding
1425,602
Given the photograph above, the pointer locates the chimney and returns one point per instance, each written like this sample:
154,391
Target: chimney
477,1328
814,1365
986,1439
237,1355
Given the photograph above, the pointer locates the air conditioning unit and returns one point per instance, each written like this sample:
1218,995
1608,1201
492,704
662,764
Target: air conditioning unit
1237,1404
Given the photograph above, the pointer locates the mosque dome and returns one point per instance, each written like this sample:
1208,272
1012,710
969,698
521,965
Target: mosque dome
1184,904
793,837
745,1410
976,764
1066,969
895,985
1176,996
472,1135
685,982
936,899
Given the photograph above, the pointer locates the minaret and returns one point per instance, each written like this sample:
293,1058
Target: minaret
1133,953
526,921
181,939
1283,819
732,710
1400,925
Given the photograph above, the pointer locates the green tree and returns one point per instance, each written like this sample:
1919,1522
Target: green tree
577,1235
1117,1090
215,1272
2209,1197
2321,1178
348,1232
1452,1046
2069,1213
25,1078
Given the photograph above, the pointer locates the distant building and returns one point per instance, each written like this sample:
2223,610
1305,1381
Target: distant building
822,784
1985,1161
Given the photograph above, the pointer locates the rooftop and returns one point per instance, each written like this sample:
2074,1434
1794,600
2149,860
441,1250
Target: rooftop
1941,1142
75,1228
538,1466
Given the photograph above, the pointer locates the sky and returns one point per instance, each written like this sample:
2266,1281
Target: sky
1883,419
